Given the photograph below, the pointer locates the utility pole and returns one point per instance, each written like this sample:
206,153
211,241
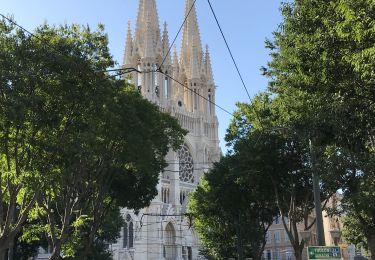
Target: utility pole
317,201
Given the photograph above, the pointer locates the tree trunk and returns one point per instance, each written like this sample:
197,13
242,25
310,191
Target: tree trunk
298,253
3,254
56,253
11,251
371,244
87,250
4,245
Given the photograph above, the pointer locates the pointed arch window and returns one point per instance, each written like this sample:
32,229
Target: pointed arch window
166,87
209,102
169,249
128,234
131,235
195,99
155,79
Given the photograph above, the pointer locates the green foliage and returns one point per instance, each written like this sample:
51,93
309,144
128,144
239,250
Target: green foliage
228,211
74,143
325,50
352,232
270,140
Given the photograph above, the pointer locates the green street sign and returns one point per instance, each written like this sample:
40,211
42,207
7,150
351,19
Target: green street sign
323,252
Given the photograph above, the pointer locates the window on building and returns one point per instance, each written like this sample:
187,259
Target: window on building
190,253
125,236
184,253
131,235
277,236
169,243
286,237
268,237
183,195
289,254
155,75
269,255
139,78
165,195
128,234
166,87
209,104
277,254
186,165
196,99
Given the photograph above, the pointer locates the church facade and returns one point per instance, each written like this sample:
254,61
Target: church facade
182,85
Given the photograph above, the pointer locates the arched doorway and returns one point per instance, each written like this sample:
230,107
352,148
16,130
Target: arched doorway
169,250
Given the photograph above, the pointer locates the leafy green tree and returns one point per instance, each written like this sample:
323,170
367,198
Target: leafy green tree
23,123
352,232
230,215
114,147
325,50
74,142
270,137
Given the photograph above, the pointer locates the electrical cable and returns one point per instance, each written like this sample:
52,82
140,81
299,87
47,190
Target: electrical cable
175,38
57,51
175,80
234,62
230,51
210,101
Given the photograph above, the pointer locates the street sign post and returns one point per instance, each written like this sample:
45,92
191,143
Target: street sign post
324,253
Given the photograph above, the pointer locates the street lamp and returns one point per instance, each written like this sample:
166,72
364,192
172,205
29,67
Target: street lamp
335,234
305,236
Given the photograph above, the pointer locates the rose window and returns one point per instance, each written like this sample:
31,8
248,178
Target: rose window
186,165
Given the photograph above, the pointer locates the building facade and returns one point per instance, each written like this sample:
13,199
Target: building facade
183,86
278,246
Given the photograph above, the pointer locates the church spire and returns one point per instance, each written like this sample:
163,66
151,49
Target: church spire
208,67
149,44
165,43
175,57
194,62
128,47
147,28
191,40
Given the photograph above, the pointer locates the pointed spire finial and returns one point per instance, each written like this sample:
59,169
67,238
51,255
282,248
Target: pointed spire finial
175,56
194,61
191,38
165,45
147,20
149,43
209,74
128,46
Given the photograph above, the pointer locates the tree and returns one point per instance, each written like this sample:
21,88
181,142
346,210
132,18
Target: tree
72,137
229,214
23,122
352,232
325,49
271,140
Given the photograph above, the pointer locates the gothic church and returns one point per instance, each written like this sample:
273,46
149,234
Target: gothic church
161,231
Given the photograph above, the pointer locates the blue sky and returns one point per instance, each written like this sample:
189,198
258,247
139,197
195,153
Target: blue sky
246,24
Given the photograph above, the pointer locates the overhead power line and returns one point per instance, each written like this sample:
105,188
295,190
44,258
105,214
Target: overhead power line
122,70
230,51
235,64
185,86
51,47
127,70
